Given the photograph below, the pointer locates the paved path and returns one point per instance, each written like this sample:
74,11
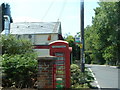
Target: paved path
106,76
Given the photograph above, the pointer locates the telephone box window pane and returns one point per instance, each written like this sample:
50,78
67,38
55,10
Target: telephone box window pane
60,62
59,54
60,58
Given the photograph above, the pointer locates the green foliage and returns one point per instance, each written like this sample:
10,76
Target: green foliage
79,79
102,38
69,38
109,55
19,62
75,48
12,45
19,70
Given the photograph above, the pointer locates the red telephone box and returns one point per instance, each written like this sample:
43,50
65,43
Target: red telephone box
62,51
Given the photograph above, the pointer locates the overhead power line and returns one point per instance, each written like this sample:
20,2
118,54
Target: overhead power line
47,10
62,9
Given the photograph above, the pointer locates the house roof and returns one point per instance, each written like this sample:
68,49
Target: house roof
35,28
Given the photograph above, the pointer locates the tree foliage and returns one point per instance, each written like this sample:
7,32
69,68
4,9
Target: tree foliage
75,48
102,42
11,45
18,62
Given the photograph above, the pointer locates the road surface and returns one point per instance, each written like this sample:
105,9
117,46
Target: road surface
105,76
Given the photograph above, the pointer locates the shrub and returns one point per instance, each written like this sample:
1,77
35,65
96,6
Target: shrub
80,79
19,64
11,45
19,70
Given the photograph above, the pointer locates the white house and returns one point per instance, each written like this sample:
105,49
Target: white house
40,33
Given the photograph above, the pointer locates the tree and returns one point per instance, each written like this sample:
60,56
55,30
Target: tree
102,36
75,48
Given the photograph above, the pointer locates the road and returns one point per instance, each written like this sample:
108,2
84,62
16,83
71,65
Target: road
105,76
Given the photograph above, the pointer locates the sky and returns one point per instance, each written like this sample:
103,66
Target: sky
65,11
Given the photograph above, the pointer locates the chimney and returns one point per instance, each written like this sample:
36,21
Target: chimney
5,17
6,24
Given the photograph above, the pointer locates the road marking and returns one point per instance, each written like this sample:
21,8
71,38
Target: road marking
95,79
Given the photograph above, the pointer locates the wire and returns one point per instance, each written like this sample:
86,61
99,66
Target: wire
47,10
60,14
63,7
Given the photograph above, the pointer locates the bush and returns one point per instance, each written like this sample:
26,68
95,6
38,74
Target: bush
19,64
19,70
80,79
11,45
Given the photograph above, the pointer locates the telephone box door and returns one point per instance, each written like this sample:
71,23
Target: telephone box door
60,49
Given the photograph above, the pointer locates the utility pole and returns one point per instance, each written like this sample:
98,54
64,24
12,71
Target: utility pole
82,35
1,18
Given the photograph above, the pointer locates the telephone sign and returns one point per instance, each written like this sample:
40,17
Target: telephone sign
58,46
77,39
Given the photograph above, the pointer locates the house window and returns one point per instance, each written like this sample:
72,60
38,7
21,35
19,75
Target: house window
29,36
18,36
